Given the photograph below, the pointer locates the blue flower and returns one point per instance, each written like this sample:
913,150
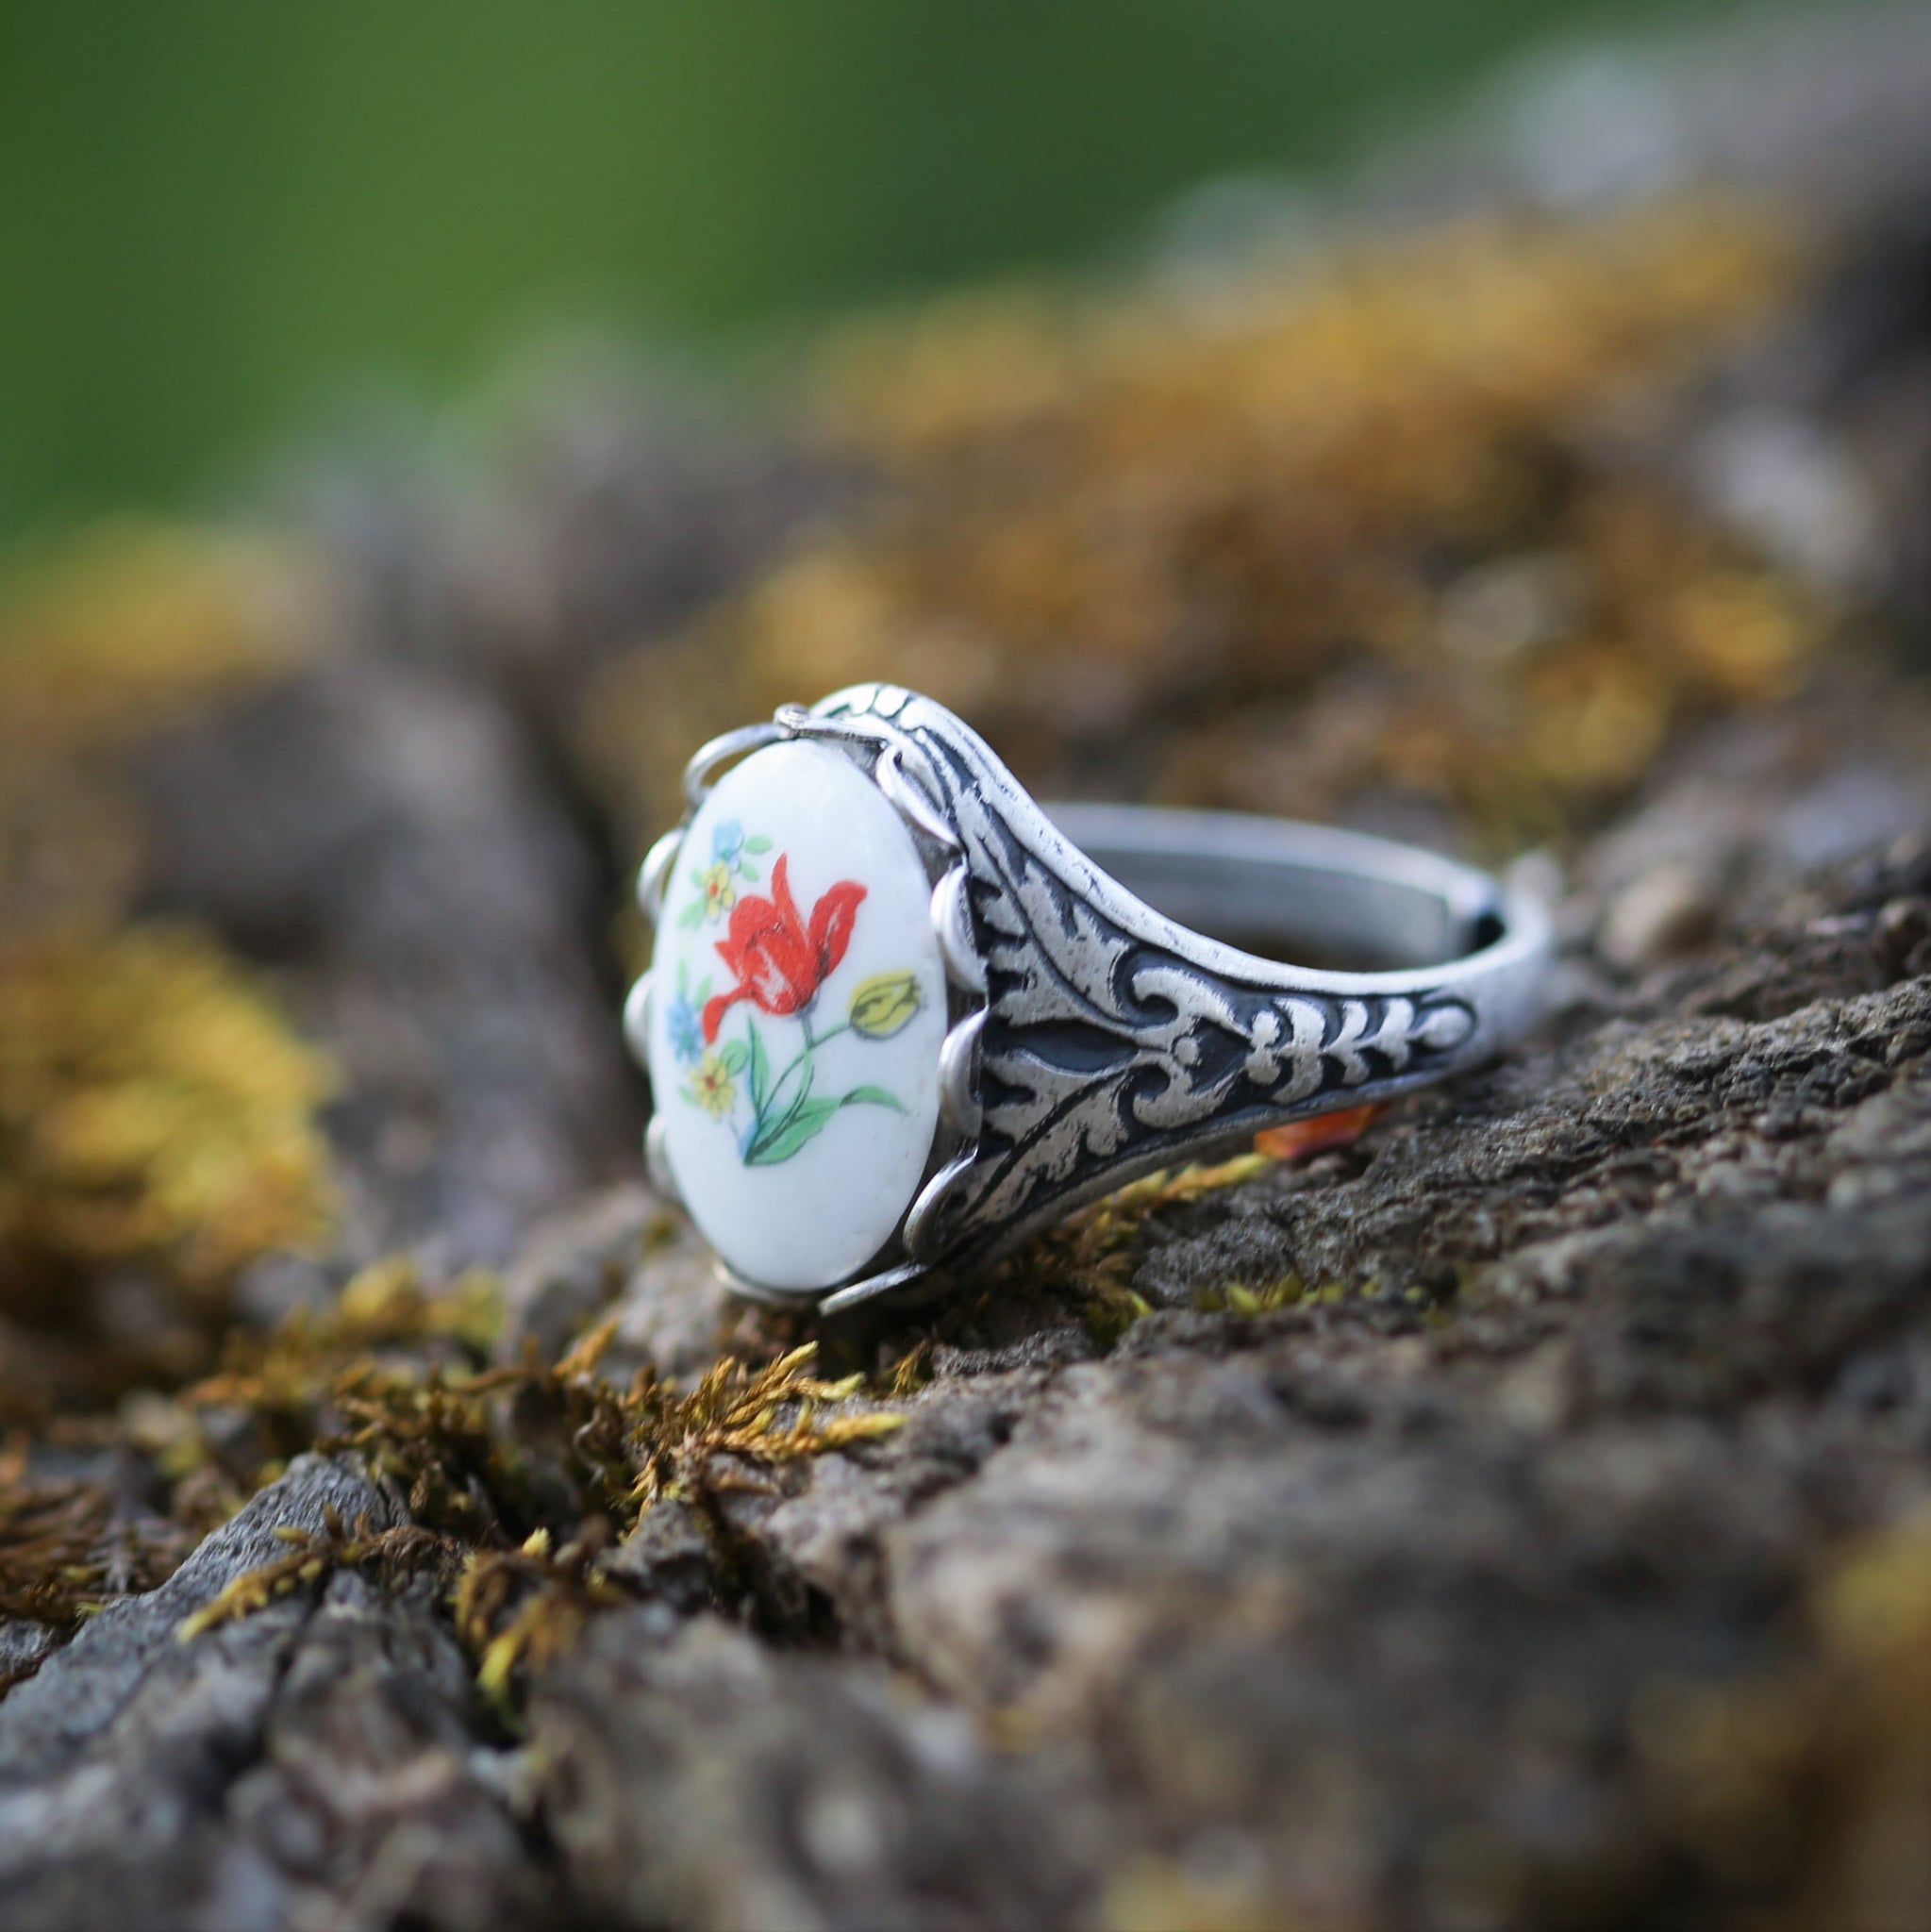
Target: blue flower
687,1031
726,842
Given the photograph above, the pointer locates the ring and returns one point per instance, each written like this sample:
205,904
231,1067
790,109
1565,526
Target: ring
898,1014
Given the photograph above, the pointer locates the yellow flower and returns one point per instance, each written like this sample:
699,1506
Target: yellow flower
883,1004
712,1085
720,895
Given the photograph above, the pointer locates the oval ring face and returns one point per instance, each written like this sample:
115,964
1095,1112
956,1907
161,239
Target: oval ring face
797,1008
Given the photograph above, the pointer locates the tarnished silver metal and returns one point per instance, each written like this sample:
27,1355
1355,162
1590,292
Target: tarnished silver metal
959,1075
637,1018
725,747
959,938
655,1163
1097,1032
655,873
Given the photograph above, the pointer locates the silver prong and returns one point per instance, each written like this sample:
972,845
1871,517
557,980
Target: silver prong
909,797
952,920
730,744
925,1228
636,1021
657,1160
857,1291
958,1074
654,875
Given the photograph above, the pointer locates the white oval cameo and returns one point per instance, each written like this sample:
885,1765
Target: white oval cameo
797,1010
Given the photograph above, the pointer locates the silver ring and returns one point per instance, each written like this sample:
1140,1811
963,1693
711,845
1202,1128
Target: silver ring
899,1015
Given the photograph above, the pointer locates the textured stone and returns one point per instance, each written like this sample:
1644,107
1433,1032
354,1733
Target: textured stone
309,1766
696,1777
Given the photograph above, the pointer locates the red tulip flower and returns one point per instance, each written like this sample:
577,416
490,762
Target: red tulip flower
779,960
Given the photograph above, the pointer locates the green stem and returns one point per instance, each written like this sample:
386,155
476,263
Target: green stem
783,1080
771,1123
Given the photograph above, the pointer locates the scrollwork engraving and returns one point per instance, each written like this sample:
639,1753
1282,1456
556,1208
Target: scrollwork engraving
1107,1046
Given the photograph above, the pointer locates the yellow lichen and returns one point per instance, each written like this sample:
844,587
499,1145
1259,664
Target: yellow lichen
109,633
154,1110
157,1132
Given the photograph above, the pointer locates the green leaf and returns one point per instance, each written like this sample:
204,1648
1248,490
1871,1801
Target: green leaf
800,1125
760,843
734,1054
760,1071
873,1096
747,872
693,915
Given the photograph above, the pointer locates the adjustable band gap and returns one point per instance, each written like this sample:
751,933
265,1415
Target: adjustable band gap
1304,896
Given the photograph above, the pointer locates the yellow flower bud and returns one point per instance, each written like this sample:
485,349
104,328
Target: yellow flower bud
883,1004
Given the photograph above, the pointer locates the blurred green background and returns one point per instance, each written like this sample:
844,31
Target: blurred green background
216,215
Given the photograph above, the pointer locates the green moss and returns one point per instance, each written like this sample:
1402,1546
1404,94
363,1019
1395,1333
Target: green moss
64,1552
1237,1298
157,1115
126,626
1100,498
155,1108
518,1479
1086,1264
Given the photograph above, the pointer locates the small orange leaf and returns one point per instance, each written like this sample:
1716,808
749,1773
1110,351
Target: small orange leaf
1299,1139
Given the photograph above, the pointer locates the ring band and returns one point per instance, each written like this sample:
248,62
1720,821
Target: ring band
898,1014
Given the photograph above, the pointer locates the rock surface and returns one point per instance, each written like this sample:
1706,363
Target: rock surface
314,1760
